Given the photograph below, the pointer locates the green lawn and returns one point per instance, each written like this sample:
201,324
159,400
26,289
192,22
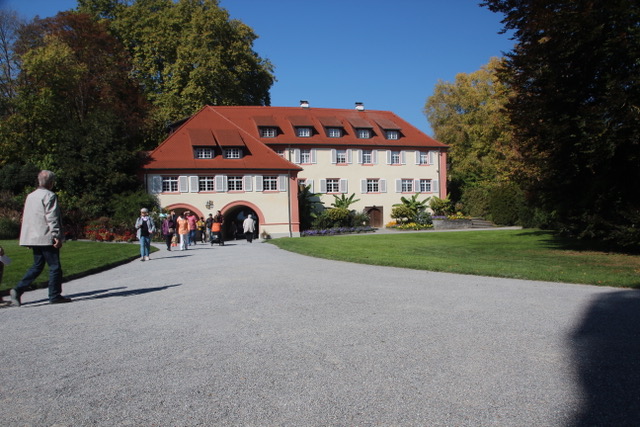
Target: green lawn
78,258
521,254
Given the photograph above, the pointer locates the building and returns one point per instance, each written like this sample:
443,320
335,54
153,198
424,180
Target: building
251,159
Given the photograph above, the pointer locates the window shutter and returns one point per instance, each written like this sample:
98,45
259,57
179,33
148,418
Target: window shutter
193,184
349,156
416,185
363,186
296,155
417,157
398,186
403,156
248,181
221,183
374,157
360,156
383,185
323,185
282,183
155,184
344,186
313,155
309,182
388,157
334,156
432,157
183,184
434,186
260,183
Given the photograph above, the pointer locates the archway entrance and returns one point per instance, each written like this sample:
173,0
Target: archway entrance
375,215
233,219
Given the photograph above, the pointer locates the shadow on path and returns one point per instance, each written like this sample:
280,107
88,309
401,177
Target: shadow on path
606,350
105,293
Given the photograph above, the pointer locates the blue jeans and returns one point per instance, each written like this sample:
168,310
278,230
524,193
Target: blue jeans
192,237
51,256
145,245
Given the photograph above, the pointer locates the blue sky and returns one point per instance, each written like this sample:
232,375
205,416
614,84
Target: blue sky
333,53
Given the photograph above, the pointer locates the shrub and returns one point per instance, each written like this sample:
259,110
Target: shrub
506,203
9,229
440,206
331,218
402,213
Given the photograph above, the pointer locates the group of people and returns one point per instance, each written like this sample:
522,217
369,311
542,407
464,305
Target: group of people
41,231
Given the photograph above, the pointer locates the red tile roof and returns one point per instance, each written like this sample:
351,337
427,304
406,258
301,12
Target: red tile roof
239,126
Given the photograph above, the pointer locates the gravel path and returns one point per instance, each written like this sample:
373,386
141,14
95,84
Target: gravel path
251,335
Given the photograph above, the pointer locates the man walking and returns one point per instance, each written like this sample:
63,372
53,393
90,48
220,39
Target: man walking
249,226
42,232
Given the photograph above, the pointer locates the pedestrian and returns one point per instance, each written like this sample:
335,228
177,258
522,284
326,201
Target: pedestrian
42,231
249,227
218,220
168,230
200,224
145,229
207,224
193,226
183,232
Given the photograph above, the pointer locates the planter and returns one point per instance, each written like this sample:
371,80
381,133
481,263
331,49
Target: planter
451,224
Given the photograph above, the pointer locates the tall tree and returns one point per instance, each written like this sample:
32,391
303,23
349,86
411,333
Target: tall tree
468,116
576,110
187,54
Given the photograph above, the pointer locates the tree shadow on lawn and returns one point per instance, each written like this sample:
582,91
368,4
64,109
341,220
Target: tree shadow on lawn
554,240
606,349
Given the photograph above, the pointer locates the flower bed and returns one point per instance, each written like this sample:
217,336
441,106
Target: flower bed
409,226
102,234
334,231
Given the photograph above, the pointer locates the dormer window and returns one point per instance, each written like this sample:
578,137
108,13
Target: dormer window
392,134
334,132
203,153
303,132
363,133
268,132
233,153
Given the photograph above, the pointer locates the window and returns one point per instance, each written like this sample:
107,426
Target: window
395,158
373,185
269,183
206,183
425,186
268,132
341,157
407,186
305,156
303,132
367,157
234,183
170,184
424,158
363,133
333,185
334,132
280,153
232,153
204,153
392,134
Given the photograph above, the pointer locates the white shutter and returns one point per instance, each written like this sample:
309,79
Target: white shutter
248,181
383,185
296,155
403,156
360,156
374,157
155,184
221,183
398,186
282,183
349,156
432,157
334,156
183,184
388,157
259,183
416,185
417,157
363,186
313,155
435,186
309,182
344,186
323,185
193,184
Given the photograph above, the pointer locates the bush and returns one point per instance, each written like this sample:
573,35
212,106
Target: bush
9,229
506,203
332,218
476,201
402,213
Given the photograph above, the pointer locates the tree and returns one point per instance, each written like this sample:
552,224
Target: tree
411,208
344,201
188,54
468,116
576,111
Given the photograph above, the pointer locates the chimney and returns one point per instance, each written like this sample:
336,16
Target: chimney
304,104
359,106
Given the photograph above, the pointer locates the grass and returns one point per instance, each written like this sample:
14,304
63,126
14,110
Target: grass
520,254
78,258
